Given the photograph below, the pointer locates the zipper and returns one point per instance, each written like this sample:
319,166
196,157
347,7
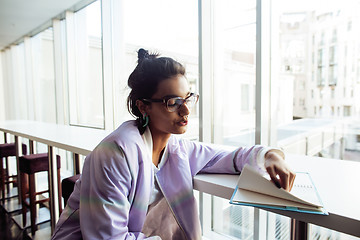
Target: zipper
170,207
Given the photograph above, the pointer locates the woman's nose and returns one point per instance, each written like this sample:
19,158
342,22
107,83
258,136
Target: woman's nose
184,110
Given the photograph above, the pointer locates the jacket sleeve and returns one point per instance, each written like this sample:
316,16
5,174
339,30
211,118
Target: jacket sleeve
104,203
210,158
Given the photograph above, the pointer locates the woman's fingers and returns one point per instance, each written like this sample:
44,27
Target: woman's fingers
279,172
273,176
282,177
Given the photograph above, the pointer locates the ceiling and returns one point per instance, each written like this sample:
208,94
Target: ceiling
19,18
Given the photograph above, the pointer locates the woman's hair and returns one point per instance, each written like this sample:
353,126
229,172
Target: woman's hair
144,80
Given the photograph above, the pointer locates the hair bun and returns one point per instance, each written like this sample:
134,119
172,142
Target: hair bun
142,54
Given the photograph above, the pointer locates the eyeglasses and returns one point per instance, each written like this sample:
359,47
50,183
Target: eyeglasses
174,103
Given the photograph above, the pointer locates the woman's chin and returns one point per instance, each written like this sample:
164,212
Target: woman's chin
181,130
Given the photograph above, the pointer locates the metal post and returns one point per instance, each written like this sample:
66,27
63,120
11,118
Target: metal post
299,230
53,188
31,147
76,160
18,147
6,170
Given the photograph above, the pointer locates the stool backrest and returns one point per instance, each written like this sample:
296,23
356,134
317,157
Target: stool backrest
67,186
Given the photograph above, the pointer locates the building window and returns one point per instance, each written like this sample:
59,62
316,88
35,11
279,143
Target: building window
321,72
332,75
322,39
349,26
334,36
347,111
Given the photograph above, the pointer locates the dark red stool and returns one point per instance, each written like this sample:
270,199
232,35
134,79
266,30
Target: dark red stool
31,164
8,150
67,186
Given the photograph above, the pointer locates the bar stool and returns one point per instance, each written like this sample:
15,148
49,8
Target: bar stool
31,164
8,150
67,186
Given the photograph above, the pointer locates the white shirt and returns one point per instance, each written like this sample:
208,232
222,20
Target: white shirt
149,146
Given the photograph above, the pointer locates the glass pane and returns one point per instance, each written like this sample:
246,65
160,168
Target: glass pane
172,33
324,233
231,220
234,72
42,57
86,91
326,102
318,48
19,83
234,25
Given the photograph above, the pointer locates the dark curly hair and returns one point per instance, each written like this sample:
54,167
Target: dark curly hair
144,80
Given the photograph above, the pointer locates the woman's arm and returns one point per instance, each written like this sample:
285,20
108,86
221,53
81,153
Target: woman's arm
205,158
104,203
211,158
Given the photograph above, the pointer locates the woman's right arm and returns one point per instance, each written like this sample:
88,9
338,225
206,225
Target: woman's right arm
105,187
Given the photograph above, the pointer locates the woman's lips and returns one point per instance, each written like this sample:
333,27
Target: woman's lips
183,123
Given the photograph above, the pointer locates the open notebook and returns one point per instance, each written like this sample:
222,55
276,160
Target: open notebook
255,190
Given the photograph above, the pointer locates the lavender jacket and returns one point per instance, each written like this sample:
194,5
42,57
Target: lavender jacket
111,198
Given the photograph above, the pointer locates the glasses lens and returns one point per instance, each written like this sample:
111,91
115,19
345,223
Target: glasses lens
189,102
174,103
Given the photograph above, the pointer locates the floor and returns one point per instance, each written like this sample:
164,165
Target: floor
11,226
9,230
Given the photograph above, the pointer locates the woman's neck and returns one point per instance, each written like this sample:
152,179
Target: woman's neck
159,144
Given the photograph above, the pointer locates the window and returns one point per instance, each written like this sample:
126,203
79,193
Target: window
334,36
43,76
330,35
233,73
349,26
321,72
20,101
169,33
347,111
332,66
86,99
333,93
311,77
245,92
332,75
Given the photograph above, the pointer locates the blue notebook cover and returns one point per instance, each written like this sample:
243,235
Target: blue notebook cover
257,191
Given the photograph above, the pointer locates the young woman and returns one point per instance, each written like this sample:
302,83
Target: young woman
137,183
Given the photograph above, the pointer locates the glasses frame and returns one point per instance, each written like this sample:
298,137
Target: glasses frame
166,100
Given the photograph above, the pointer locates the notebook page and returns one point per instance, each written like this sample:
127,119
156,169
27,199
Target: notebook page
251,180
304,188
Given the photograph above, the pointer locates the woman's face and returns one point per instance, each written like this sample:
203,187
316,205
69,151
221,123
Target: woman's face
163,122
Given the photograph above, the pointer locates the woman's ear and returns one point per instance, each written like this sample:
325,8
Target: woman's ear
141,106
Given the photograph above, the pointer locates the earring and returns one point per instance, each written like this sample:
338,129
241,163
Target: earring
145,119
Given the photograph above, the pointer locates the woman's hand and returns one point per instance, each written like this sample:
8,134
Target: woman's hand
278,170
